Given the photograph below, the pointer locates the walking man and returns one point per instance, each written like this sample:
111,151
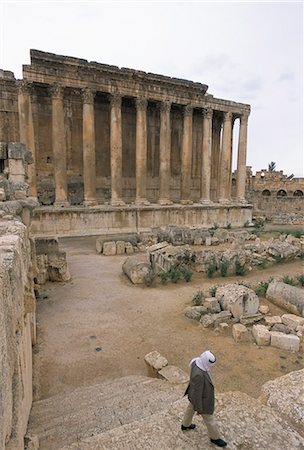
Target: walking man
200,393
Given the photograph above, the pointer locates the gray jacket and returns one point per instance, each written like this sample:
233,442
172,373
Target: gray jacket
200,391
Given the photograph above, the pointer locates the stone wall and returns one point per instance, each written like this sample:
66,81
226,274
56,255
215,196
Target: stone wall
17,328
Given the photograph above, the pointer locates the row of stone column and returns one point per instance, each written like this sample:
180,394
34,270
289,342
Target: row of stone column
89,164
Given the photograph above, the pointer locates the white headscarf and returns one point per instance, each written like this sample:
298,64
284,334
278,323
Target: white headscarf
205,361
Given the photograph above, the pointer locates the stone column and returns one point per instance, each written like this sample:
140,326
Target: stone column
215,157
89,158
26,129
165,154
206,157
141,151
224,194
59,147
241,159
186,156
116,151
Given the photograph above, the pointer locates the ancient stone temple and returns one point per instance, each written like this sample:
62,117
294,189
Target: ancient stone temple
123,149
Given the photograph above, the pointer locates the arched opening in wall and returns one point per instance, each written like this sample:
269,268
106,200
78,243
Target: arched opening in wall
298,193
281,193
266,193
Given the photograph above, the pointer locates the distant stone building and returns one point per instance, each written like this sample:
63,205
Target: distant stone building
159,148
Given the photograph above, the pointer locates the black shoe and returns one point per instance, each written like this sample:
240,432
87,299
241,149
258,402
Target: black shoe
190,427
219,442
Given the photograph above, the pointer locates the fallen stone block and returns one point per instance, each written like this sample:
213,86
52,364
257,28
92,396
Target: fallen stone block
261,334
237,299
174,375
156,360
129,248
195,312
272,320
250,319
109,248
240,333
158,246
58,267
280,327
264,309
292,321
284,295
207,320
212,305
99,245
138,269
284,341
120,247
223,316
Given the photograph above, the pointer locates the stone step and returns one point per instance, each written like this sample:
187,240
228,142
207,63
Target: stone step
90,410
245,423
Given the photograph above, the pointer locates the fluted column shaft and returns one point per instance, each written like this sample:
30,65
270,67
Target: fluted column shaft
186,156
26,130
116,151
141,151
241,159
164,154
89,157
59,147
206,157
225,163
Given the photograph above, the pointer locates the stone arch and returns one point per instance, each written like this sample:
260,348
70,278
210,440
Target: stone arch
281,193
298,193
266,193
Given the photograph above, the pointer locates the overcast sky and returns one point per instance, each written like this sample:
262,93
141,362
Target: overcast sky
244,51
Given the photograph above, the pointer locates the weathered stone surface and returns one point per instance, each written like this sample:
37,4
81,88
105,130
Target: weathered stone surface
249,319
264,309
237,299
284,341
280,327
31,442
212,305
120,247
58,268
207,320
261,334
129,248
138,269
292,321
289,297
195,312
174,375
240,333
156,360
109,248
271,320
285,395
99,245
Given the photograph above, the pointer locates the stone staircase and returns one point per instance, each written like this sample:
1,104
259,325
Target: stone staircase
143,413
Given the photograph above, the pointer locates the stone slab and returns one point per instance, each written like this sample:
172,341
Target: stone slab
155,360
284,341
174,375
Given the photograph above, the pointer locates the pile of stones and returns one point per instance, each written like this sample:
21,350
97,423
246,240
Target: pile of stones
239,306
160,368
121,246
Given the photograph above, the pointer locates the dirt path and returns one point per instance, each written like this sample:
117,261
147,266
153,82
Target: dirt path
99,326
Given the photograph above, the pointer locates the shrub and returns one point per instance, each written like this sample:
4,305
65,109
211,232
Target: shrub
212,291
164,276
187,273
198,298
278,258
261,288
259,224
262,264
288,280
211,268
224,268
300,279
175,274
239,268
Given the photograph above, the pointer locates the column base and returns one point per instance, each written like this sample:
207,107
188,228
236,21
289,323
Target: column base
186,202
117,203
224,201
61,204
164,202
141,202
89,203
242,200
205,201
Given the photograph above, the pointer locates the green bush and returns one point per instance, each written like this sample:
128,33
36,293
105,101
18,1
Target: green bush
211,268
212,291
261,288
164,276
198,299
224,267
289,280
263,264
187,273
175,274
300,279
259,224
239,268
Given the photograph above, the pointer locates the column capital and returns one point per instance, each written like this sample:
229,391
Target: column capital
227,116
56,90
188,110
207,113
141,103
116,100
244,117
88,95
165,106
24,87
